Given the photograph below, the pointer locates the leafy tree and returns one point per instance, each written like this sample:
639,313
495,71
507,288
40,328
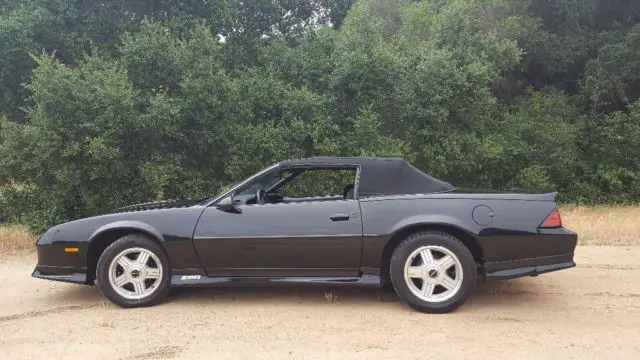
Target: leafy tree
612,77
106,103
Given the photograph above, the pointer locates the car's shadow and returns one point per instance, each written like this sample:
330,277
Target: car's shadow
489,294
74,294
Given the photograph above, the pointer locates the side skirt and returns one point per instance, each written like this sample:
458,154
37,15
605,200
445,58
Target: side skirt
201,280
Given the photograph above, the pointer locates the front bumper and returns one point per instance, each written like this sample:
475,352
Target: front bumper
55,263
61,273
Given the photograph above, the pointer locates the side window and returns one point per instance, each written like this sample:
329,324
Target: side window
320,183
266,182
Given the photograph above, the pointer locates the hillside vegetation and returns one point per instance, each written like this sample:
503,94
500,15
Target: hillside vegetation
107,103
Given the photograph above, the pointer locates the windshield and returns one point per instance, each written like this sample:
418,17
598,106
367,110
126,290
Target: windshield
235,185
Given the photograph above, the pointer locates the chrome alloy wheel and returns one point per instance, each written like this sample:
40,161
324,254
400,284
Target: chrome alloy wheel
433,273
135,273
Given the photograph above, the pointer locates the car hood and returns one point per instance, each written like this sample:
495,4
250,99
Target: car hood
164,204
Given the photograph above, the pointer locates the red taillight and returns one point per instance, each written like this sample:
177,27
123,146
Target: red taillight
552,221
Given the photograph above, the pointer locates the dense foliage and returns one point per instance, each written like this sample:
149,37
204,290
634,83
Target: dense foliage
106,103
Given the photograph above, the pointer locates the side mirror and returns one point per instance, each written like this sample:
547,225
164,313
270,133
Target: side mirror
227,205
230,208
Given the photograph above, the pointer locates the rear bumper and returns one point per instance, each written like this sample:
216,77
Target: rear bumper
515,255
527,267
60,273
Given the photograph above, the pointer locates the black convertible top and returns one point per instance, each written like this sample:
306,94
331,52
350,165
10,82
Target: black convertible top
381,176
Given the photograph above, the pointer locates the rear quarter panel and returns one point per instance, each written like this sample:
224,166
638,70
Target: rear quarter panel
512,232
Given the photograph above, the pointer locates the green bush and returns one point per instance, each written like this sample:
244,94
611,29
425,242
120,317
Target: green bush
103,107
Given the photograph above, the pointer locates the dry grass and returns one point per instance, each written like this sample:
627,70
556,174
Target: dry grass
603,225
16,239
595,225
331,297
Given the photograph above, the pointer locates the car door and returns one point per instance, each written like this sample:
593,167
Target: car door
314,238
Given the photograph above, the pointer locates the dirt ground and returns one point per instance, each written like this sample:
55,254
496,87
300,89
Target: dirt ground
588,312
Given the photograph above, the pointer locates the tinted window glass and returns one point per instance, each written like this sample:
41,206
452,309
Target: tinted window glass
321,182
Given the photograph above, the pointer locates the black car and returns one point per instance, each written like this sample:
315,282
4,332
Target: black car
325,220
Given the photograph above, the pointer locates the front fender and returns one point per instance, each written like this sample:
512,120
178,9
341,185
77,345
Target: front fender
127,224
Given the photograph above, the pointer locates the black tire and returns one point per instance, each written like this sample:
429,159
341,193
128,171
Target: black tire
127,242
425,238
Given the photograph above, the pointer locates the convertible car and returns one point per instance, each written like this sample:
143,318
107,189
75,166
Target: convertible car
324,220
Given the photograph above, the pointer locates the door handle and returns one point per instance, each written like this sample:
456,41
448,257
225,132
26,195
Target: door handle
339,217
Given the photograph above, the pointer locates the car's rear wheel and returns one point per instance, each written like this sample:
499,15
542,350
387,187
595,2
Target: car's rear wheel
433,272
134,271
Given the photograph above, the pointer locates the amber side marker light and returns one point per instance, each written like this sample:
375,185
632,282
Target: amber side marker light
552,221
71,250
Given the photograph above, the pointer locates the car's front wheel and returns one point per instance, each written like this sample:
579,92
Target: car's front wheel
433,271
134,272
